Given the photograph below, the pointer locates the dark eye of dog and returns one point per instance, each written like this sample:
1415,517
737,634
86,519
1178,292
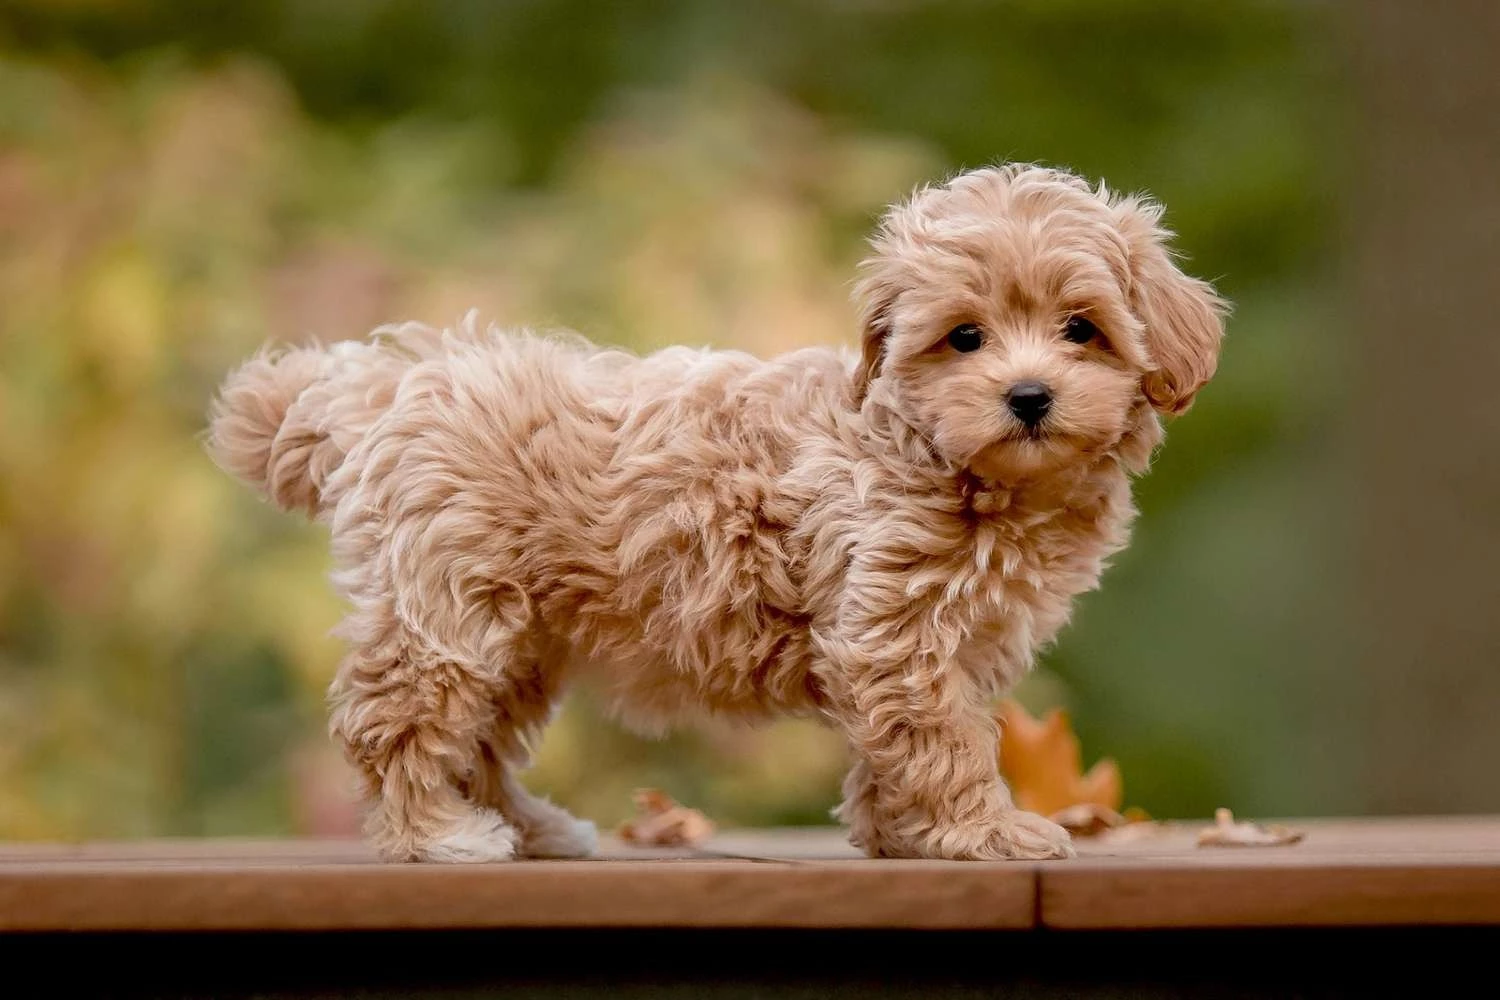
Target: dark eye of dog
1079,330
965,338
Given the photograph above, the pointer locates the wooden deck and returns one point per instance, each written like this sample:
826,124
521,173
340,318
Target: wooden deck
1385,873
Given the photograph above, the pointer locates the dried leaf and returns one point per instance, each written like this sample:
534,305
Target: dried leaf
660,822
1041,760
1086,819
1227,832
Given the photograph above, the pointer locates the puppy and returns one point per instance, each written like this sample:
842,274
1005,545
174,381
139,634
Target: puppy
883,540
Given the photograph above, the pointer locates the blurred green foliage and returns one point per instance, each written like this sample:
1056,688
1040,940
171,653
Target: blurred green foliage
179,185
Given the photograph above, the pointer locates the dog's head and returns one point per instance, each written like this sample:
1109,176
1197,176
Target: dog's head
1024,322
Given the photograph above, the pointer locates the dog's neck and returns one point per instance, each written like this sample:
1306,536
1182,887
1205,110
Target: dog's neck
1068,489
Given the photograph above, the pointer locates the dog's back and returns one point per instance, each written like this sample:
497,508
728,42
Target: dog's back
633,507
286,421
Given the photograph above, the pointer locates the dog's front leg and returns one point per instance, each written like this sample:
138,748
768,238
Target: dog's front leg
926,780
933,791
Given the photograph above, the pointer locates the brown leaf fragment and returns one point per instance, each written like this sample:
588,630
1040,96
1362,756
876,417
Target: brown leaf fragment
1087,819
660,822
1227,832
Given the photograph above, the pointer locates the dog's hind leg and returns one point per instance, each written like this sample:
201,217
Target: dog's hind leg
522,709
413,723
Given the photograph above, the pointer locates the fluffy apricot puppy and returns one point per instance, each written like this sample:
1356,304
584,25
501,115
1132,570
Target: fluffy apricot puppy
883,540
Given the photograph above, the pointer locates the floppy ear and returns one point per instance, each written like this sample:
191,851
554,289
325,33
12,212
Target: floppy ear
875,295
1183,316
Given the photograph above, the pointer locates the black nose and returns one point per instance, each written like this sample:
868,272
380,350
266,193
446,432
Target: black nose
1029,401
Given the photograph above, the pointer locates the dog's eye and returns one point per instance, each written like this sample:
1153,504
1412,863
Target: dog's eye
965,338
1079,330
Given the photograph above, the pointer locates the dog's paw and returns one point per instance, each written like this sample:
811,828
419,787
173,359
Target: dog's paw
560,837
1015,835
481,837
1025,836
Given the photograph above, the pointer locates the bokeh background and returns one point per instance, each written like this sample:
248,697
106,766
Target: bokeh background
180,182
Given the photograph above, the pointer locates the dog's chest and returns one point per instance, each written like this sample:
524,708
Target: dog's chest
1023,568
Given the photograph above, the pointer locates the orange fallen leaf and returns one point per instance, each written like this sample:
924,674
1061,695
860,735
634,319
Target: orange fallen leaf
1227,832
660,822
1043,764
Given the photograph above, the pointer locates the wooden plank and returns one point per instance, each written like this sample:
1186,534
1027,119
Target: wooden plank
1257,896
767,844
756,879
163,895
249,851
1371,873
1391,841
1347,874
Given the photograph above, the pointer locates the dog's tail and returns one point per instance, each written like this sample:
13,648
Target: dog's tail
284,421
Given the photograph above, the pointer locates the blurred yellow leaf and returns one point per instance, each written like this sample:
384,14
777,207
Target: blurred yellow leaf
122,308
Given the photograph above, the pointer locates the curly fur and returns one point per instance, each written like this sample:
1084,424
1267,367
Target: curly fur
873,539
